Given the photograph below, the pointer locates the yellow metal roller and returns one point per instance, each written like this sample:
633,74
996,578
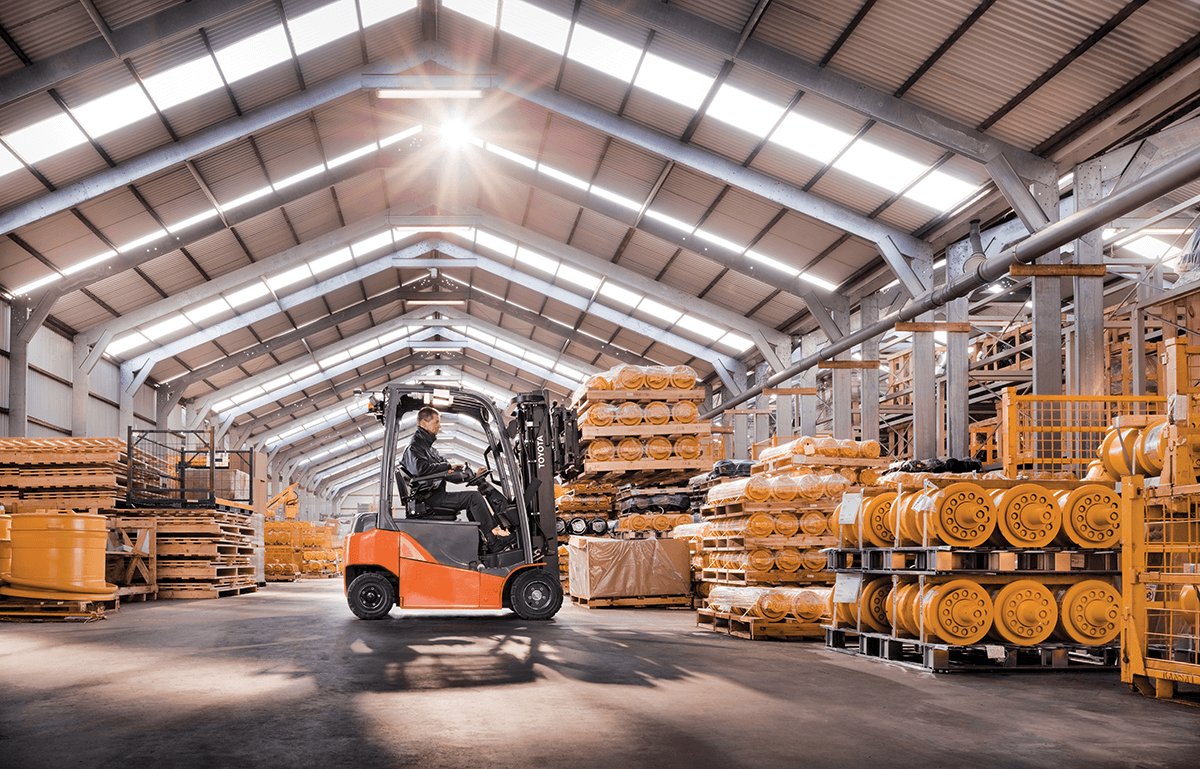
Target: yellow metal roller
813,560
58,556
1091,515
962,515
849,531
1189,598
687,447
957,612
788,559
1027,515
786,524
760,559
1116,451
808,604
685,412
662,522
907,520
1025,612
658,447
1150,448
629,414
760,525
843,614
902,608
1089,613
658,377
873,603
785,488
657,413
637,522
683,377
630,449
601,450
601,414
813,523
630,378
5,545
876,526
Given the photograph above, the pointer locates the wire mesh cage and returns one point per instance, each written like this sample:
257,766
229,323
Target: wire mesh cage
1056,436
183,468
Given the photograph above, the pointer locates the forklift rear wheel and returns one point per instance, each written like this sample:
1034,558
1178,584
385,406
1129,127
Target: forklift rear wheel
536,595
371,596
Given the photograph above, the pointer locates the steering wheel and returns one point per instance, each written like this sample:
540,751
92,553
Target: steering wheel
479,476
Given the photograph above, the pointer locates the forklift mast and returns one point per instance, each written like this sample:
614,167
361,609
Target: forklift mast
547,444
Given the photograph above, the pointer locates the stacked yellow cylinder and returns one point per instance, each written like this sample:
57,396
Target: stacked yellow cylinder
57,557
629,413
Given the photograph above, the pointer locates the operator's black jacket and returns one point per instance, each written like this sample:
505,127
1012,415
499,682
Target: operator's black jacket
421,458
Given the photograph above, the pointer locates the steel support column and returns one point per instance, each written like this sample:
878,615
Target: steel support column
868,392
924,376
843,386
81,383
958,361
1088,376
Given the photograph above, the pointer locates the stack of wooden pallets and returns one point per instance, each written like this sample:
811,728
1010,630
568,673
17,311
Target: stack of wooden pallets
85,474
203,553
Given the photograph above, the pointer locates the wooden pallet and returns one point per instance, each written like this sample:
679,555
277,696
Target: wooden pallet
174,590
731,510
92,477
644,430
586,398
945,658
131,556
743,577
940,560
660,601
785,463
756,628
33,610
732,542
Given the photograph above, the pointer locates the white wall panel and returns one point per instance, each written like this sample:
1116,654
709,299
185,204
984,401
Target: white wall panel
49,400
101,420
105,380
51,352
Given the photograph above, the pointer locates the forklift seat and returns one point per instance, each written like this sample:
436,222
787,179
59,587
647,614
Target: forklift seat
414,508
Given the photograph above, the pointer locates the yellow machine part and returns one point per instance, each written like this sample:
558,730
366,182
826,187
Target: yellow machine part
637,522
876,519
630,449
906,522
1026,612
814,523
1150,449
760,559
685,412
786,524
601,414
1028,515
788,559
662,522
683,377
1116,451
5,545
962,515
813,560
902,607
629,414
58,556
599,382
629,378
658,447
1091,515
658,377
843,614
873,603
601,450
657,413
1189,598
1089,613
785,488
809,604
687,447
760,525
957,612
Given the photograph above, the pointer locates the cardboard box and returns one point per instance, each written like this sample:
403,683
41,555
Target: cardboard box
628,568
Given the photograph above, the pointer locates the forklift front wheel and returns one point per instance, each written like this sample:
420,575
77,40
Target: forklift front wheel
535,595
371,596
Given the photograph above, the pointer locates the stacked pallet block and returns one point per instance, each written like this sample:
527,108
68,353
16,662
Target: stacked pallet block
321,557
284,552
651,511
694,534
763,556
954,572
584,507
202,552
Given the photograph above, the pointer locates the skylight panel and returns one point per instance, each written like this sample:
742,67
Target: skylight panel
149,237
670,221
205,311
113,110
716,239
819,282
365,347
568,371
536,260
879,166
539,360
561,176
604,53
483,11
1149,247
324,25
613,197
534,25
494,243
103,256
247,198
334,359
735,342
392,336
247,395
375,11
168,326
578,277
373,243
703,329
672,81
130,341
195,219
774,264
299,177
45,138
664,313
328,261
287,278
941,191
620,295
513,156
275,384
506,346
8,163
301,373
744,110
340,160
254,54
396,138
183,83
247,294
221,406
810,138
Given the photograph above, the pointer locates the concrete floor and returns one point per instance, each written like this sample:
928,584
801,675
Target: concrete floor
288,678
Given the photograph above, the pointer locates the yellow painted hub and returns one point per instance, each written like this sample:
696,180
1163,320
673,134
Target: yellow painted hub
1025,612
788,559
59,553
1189,598
873,604
907,521
963,515
902,608
875,512
1116,451
1027,515
1091,515
1090,613
786,524
957,612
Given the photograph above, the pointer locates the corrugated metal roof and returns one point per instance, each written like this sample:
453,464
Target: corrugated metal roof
45,28
118,13
807,30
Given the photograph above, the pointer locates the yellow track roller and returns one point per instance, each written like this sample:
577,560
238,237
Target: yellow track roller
809,604
873,603
5,545
1189,598
1091,515
760,559
813,560
1150,448
58,557
906,521
843,614
814,523
1089,613
902,607
962,515
957,612
1027,515
1025,612
786,524
1116,451
788,559
876,526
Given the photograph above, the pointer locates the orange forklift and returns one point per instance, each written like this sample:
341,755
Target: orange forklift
411,556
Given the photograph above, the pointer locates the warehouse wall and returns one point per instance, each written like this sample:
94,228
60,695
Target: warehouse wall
50,369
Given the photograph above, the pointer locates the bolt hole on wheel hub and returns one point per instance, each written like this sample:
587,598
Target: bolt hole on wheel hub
1027,515
1025,613
956,612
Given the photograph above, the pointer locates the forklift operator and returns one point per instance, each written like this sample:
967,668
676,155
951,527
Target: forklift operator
422,459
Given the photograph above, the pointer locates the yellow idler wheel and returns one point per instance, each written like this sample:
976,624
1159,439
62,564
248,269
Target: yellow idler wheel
760,559
760,525
813,560
773,605
601,414
1025,612
1116,451
1027,515
637,522
873,603
957,612
814,523
630,450
629,378
1150,448
757,488
786,524
658,447
657,413
629,414
683,377
809,604
902,607
906,517
785,488
962,515
599,450
658,377
662,522
876,525
58,556
599,382
788,559
687,447
1089,612
1091,515
843,614
849,531
685,412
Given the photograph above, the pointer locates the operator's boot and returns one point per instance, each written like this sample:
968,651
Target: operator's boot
493,544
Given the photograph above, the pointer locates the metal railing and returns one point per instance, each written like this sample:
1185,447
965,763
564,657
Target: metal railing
182,468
